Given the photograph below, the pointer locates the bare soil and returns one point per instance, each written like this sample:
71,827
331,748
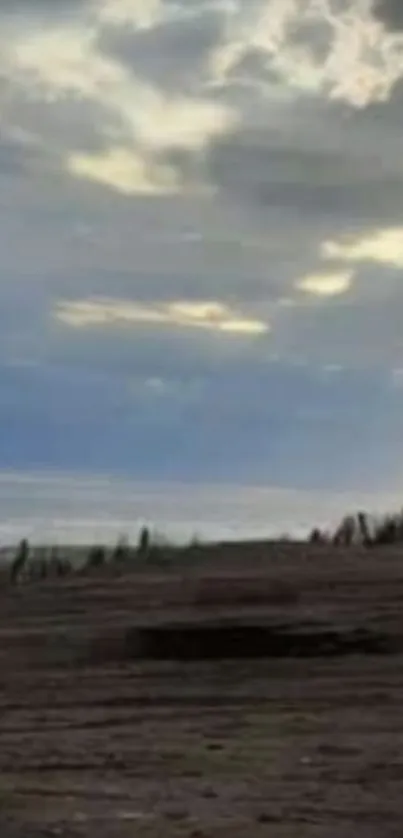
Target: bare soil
108,728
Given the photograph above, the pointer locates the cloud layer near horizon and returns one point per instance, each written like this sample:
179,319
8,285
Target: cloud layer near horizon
83,510
201,238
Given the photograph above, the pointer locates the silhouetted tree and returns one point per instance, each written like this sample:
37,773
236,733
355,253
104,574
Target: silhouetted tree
121,551
20,560
388,531
362,519
361,529
59,567
65,567
42,569
144,541
37,569
316,537
346,532
96,557
53,562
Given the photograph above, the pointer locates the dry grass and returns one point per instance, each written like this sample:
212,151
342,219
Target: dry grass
101,746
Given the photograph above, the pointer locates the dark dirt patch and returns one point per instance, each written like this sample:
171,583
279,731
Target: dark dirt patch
195,642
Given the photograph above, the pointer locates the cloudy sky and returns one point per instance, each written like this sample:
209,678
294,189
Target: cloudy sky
201,248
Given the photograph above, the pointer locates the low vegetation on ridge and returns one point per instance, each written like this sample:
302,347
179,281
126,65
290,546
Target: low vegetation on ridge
32,564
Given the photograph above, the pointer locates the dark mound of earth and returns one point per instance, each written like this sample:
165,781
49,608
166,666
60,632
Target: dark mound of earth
224,641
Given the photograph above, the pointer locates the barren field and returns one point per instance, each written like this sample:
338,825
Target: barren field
125,711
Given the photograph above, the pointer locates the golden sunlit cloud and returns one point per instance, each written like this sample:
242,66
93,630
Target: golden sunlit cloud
362,60
58,62
326,284
178,122
66,62
382,245
203,314
125,171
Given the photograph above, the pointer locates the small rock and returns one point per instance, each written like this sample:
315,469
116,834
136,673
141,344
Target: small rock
265,817
209,793
176,814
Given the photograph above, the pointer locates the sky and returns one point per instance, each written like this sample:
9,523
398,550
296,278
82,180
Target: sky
201,256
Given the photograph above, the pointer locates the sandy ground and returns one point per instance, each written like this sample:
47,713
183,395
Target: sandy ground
94,743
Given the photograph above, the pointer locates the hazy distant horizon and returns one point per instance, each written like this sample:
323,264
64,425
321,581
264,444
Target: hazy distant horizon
67,509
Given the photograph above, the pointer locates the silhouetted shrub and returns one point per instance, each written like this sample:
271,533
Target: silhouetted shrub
317,537
389,530
96,557
361,529
344,535
121,552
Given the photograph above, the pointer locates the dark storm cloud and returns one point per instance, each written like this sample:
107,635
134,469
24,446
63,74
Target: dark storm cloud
46,11
64,7
16,157
252,169
67,124
170,55
390,12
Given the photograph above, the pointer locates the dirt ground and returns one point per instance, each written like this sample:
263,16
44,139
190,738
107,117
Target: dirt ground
95,741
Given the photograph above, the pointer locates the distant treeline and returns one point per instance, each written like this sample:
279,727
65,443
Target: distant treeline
27,566
363,529
360,529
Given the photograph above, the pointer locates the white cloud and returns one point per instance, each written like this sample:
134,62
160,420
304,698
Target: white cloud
188,390
58,62
330,370
157,385
141,14
65,63
383,245
180,122
205,314
396,378
124,170
359,60
326,284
